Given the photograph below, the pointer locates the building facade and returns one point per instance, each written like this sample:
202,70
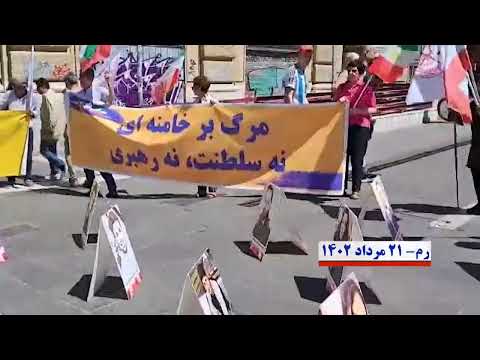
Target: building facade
233,70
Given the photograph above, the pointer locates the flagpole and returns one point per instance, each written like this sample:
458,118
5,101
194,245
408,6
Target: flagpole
140,74
30,82
362,92
456,159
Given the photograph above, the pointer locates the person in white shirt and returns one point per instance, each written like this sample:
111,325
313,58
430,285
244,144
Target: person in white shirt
101,97
17,100
200,88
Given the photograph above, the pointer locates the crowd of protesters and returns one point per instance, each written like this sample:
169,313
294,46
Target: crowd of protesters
353,86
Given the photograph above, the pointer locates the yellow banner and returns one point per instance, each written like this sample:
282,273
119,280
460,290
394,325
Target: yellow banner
300,148
13,137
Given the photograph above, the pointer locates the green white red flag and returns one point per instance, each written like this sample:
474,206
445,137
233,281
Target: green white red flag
443,73
391,61
93,54
167,81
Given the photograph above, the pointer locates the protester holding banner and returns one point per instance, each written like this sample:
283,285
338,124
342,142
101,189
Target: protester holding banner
474,156
17,100
343,76
99,97
361,99
295,81
71,82
50,114
200,88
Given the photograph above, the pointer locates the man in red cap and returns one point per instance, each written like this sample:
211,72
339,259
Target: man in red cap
295,82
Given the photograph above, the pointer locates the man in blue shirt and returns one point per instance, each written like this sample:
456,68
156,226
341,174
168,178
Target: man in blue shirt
97,96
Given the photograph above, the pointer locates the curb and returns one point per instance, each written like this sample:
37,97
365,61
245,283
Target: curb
384,164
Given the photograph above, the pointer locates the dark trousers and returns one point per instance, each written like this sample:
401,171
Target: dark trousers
202,190
358,138
111,185
28,175
476,182
49,151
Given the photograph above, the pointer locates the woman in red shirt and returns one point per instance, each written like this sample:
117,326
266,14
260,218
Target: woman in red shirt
362,104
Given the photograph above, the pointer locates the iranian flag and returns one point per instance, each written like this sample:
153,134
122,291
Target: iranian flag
443,73
167,82
93,54
391,61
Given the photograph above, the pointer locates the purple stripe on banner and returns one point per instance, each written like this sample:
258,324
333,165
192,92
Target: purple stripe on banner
311,180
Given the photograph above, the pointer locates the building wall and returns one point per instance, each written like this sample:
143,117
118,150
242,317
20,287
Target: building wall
224,65
52,62
227,66
267,65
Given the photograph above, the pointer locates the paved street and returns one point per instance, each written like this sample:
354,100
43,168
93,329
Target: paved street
46,272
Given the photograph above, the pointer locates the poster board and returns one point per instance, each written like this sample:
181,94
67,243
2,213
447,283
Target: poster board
377,190
113,241
347,299
87,221
203,291
272,214
347,229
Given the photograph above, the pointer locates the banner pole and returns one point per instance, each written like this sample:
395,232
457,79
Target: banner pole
140,74
456,160
363,91
30,81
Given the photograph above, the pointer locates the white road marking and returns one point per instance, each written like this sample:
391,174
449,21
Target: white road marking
451,222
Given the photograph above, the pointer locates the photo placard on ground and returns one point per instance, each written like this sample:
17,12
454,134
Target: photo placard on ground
203,290
113,240
272,214
377,190
94,191
347,229
347,299
3,254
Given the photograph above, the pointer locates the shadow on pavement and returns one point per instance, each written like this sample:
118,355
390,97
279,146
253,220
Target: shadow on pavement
372,215
468,245
158,196
251,203
77,239
14,230
62,191
314,289
112,288
314,199
275,247
470,268
430,209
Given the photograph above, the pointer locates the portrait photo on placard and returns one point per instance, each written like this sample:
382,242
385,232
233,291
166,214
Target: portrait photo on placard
261,230
117,235
208,287
342,233
347,299
386,208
